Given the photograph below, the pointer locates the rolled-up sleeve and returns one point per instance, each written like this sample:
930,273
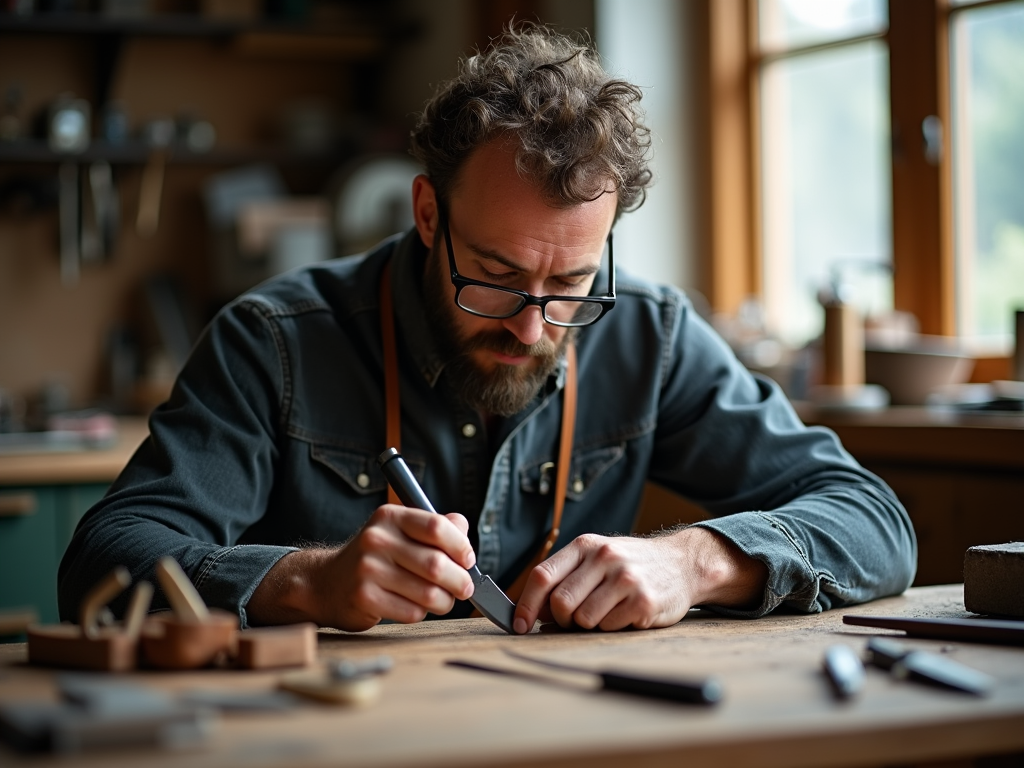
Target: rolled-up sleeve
830,532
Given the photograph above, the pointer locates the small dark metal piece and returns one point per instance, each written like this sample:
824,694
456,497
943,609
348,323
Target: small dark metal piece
844,669
927,667
343,669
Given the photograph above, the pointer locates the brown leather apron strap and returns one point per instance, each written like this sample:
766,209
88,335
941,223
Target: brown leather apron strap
394,424
391,378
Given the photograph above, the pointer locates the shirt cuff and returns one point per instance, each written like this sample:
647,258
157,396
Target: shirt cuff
791,579
228,577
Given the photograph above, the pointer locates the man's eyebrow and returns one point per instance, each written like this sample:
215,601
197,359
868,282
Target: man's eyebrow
484,253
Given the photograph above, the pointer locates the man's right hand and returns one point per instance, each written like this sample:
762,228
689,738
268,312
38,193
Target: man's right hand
403,564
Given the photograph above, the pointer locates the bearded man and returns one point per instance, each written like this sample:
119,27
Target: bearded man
533,388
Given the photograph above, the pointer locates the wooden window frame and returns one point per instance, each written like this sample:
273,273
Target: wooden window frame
923,244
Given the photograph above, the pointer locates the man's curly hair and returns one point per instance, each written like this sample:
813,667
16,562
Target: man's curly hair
575,128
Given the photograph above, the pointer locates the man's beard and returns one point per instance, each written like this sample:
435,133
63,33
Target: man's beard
505,390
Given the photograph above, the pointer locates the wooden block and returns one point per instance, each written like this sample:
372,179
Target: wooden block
269,647
170,643
64,645
994,579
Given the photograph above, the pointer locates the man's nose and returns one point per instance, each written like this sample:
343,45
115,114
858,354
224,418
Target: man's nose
527,326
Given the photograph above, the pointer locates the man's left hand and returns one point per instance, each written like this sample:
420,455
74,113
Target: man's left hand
618,582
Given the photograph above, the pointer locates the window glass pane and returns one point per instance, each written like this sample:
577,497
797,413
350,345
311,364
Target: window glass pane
827,184
790,23
988,80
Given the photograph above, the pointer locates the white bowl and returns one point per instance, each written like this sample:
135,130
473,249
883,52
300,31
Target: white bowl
912,373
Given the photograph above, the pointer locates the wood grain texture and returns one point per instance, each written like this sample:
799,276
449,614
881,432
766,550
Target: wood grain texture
778,709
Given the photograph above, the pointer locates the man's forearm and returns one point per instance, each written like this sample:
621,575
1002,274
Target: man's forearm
718,571
287,593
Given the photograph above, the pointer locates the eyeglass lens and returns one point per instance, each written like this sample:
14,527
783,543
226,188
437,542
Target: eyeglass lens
492,302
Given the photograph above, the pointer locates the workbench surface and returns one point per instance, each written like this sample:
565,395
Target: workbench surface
778,709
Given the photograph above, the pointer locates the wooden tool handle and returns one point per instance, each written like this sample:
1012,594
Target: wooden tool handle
99,596
137,609
186,602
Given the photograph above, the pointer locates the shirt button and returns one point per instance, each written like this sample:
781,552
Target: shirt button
363,480
468,430
486,529
577,486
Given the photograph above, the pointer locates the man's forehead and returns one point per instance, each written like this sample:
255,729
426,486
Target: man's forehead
491,172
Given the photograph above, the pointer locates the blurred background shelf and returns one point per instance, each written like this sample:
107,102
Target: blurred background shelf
137,153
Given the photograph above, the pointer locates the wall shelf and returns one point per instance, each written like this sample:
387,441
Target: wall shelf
185,25
136,153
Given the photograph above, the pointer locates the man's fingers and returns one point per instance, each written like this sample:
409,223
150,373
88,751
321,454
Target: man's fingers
460,522
582,598
444,532
435,567
540,583
380,601
407,588
585,603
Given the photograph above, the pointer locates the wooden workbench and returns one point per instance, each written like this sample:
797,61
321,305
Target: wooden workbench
777,711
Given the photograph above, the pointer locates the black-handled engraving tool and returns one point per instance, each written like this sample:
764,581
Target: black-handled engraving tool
487,596
693,690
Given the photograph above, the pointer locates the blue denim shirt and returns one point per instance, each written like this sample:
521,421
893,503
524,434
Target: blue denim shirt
269,440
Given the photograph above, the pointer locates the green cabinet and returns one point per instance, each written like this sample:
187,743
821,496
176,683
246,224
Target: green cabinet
36,524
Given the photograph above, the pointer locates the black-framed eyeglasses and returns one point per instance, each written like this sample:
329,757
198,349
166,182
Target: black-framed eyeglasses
497,302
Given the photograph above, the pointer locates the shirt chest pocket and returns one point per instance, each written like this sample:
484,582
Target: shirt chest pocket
585,471
358,469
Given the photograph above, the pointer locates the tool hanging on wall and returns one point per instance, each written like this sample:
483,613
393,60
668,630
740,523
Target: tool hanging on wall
159,134
105,209
69,222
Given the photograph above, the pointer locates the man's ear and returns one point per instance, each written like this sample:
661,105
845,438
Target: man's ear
424,209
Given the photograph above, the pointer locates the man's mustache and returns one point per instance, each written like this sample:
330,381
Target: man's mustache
505,343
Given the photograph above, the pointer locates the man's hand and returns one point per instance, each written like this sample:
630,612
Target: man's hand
403,564
618,582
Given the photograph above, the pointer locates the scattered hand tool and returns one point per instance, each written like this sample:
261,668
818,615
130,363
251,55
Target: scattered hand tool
99,713
487,596
159,135
969,630
844,669
342,681
88,645
688,690
904,663
69,222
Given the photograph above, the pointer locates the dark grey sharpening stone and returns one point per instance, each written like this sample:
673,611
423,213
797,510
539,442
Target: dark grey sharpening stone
994,579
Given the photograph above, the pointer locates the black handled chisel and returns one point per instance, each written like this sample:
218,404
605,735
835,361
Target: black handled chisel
487,596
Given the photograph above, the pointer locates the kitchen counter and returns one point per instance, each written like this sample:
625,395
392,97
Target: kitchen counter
99,465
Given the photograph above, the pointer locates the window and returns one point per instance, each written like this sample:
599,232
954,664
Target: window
987,55
879,133
826,207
